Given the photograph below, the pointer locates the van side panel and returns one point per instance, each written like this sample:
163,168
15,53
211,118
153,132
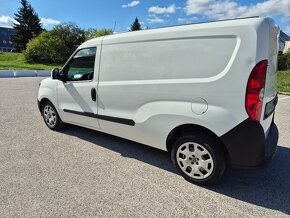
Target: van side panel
167,58
157,79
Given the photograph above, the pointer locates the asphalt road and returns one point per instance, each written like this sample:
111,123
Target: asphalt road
80,172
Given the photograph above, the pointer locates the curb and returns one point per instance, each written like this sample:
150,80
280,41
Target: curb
284,93
43,73
6,73
24,73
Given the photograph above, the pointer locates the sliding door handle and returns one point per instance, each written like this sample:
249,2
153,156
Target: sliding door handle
93,94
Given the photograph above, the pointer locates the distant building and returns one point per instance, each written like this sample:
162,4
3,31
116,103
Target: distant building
282,39
287,47
6,45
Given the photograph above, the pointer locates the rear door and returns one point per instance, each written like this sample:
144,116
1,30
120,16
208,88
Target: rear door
270,96
77,96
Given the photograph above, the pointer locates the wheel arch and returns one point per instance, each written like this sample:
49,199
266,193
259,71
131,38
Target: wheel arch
42,101
185,128
45,99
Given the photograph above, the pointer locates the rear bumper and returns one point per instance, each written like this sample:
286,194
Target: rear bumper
247,145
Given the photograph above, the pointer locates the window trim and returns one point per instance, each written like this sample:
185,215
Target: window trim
64,73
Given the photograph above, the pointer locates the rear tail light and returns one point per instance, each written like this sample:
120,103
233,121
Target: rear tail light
255,90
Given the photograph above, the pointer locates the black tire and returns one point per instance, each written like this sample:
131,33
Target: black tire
57,123
214,160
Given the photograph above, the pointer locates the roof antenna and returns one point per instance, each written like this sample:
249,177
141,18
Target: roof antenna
114,26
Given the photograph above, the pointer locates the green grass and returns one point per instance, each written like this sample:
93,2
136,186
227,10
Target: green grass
16,61
283,81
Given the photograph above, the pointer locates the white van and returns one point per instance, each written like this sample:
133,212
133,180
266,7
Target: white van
204,92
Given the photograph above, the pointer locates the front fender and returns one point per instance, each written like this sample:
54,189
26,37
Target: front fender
48,90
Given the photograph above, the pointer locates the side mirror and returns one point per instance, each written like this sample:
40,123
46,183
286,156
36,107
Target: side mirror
55,73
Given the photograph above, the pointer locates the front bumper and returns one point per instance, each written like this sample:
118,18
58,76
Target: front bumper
38,105
247,145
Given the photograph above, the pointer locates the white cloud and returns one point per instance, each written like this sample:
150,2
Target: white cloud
287,30
159,10
131,4
49,21
187,20
153,19
223,9
285,19
6,21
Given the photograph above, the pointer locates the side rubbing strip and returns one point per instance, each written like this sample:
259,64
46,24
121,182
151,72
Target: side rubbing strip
103,117
116,120
87,114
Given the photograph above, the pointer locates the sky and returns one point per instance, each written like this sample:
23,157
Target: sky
151,13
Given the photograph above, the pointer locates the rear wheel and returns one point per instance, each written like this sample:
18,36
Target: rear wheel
51,117
199,158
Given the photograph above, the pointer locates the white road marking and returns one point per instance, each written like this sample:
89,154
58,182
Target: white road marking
284,98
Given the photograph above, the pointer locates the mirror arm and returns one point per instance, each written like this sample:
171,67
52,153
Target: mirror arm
62,78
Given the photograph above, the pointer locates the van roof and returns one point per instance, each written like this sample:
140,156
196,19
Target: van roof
209,24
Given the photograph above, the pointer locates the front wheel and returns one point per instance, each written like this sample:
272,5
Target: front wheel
51,117
199,158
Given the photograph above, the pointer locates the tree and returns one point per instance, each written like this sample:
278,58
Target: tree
70,34
283,61
55,46
94,33
89,33
27,25
135,25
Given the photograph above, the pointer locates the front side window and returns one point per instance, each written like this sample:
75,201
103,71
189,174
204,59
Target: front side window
81,66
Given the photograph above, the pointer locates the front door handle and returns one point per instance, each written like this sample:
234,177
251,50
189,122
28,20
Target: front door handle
94,94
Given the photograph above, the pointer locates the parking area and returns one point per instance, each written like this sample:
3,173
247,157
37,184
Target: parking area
82,172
